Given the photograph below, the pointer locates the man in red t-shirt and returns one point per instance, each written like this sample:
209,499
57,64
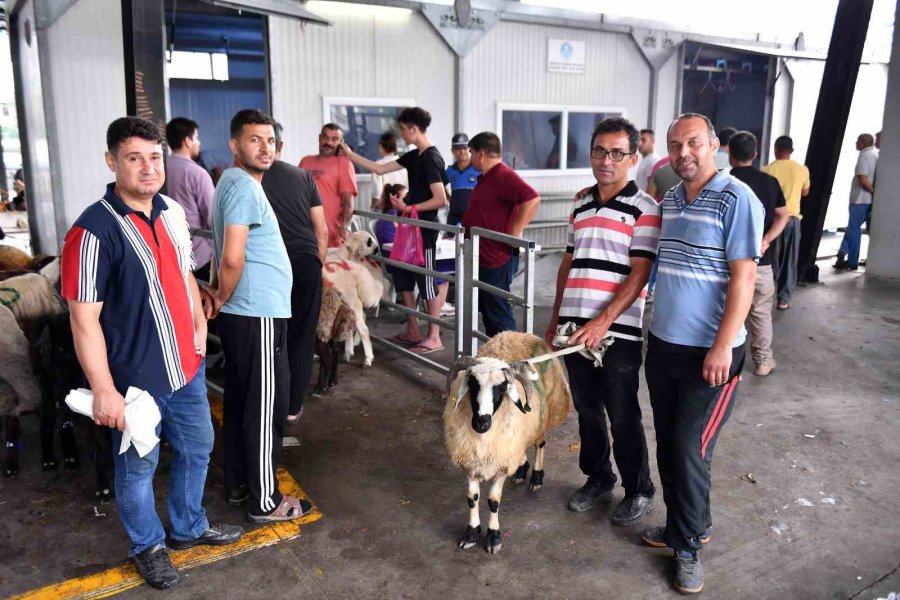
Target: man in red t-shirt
336,182
503,202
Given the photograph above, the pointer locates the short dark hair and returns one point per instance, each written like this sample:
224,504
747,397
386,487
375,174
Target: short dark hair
742,146
724,136
248,116
333,127
614,124
650,131
487,141
127,127
414,115
689,115
178,130
388,141
784,143
279,132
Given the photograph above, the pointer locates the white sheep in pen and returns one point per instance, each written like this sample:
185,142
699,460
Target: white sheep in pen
19,391
488,437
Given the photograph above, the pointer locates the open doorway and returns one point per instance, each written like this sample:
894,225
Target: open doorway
216,66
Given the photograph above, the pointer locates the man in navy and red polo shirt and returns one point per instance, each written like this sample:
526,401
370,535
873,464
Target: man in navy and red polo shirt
137,321
503,202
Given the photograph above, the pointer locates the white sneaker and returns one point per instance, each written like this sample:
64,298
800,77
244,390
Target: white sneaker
448,309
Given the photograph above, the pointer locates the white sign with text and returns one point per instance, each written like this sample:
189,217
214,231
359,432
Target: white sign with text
565,56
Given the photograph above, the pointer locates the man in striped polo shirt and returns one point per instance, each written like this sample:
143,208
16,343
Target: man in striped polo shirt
613,236
712,229
137,322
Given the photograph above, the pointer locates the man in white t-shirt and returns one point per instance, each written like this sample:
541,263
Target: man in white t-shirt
861,191
649,157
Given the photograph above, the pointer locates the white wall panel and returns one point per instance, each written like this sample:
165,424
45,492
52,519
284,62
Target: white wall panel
87,72
360,56
510,65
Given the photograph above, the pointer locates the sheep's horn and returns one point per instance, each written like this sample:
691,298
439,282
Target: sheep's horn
522,374
461,364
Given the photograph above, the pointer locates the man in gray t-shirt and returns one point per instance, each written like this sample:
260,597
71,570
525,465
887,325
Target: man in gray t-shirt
862,188
251,293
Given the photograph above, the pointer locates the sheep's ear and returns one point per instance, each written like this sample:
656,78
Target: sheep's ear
461,391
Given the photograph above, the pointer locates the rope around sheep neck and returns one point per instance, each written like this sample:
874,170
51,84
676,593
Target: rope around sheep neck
15,298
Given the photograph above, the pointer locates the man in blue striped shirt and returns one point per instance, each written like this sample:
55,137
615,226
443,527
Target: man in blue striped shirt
712,228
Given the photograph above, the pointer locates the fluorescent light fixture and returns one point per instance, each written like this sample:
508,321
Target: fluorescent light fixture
197,65
348,8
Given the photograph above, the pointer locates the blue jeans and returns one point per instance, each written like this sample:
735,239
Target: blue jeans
853,236
496,311
187,425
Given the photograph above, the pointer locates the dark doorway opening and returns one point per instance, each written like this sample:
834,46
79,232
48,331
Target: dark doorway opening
196,27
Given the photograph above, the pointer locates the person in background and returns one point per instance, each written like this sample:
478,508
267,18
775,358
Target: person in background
724,136
387,148
336,182
861,192
742,152
503,202
385,231
462,177
649,158
293,196
191,186
427,192
794,180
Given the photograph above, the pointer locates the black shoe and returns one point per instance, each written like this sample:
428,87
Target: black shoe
586,497
217,534
238,496
155,567
688,573
841,262
632,509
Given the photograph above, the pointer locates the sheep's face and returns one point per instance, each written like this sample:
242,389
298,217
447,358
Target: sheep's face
486,391
361,244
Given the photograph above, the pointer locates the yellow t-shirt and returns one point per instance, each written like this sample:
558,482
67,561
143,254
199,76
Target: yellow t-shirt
794,180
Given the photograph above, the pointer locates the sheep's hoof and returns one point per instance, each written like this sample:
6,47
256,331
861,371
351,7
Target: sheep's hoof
537,481
49,465
493,543
521,473
11,467
367,362
470,537
71,463
104,494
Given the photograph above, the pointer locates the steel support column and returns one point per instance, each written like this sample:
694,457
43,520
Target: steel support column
848,37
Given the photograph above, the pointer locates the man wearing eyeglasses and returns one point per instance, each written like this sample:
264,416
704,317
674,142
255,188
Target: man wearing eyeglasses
612,241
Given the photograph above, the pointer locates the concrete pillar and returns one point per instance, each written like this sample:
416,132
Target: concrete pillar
884,251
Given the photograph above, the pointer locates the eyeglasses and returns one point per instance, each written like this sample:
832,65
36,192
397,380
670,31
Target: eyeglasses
600,153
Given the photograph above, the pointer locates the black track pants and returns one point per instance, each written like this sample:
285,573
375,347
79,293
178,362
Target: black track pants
306,299
688,415
257,382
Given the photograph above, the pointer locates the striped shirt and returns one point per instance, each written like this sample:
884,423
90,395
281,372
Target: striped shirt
698,241
603,238
138,268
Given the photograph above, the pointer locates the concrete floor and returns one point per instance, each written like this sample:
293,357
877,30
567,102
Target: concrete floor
822,519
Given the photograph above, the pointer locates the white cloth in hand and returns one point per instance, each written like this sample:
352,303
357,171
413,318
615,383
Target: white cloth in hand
564,331
141,417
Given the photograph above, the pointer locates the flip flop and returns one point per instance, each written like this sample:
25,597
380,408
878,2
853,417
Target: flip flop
784,306
403,341
420,349
290,508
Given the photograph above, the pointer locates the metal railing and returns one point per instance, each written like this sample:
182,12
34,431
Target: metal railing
464,325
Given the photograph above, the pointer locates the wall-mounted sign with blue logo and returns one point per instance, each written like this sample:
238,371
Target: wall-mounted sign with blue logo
565,56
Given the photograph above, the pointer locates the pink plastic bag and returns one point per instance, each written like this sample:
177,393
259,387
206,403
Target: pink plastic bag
408,246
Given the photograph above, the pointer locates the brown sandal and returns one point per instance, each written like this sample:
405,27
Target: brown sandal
290,508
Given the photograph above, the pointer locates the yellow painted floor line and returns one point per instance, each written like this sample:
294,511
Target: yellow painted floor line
124,577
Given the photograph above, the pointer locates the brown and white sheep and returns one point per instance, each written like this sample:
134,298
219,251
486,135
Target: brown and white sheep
488,437
336,326
360,290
